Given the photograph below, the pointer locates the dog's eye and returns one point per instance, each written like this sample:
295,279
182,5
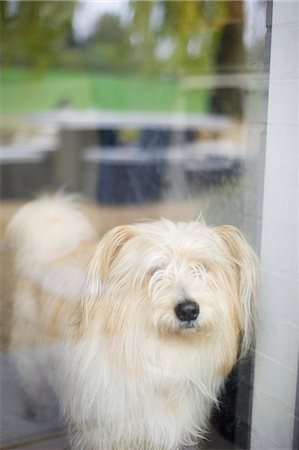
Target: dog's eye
205,267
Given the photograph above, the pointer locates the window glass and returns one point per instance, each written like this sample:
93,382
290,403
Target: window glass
148,109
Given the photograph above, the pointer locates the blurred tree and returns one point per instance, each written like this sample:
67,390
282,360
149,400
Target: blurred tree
109,29
33,32
178,37
167,38
230,57
192,37
109,48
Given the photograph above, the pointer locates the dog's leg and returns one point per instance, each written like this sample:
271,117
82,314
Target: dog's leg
39,401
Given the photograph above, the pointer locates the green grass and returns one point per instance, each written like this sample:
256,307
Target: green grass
23,92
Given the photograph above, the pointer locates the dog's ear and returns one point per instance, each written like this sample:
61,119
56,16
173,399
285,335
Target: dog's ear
100,264
108,249
247,269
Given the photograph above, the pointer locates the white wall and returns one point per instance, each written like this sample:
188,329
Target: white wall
276,365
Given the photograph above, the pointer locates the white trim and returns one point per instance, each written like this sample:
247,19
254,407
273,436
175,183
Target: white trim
276,362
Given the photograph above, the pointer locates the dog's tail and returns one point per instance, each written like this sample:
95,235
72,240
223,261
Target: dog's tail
47,228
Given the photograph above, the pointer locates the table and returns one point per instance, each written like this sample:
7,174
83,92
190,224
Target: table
101,119
132,175
25,168
81,129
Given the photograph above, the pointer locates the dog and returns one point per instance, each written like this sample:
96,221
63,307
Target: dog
136,332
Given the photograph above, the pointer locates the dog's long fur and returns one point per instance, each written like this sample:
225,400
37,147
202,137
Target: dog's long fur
96,320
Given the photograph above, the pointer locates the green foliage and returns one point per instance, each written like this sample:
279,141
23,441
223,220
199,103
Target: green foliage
167,37
108,49
159,40
178,37
33,32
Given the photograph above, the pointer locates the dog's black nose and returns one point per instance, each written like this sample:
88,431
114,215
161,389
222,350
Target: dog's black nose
187,310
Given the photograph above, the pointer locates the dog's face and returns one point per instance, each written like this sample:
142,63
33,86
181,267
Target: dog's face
182,279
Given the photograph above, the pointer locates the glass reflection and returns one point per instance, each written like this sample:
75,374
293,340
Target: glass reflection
147,109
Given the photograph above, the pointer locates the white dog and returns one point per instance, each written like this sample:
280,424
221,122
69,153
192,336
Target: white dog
137,332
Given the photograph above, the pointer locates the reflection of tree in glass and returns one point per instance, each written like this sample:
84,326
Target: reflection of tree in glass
108,48
181,38
192,31
33,32
172,39
175,37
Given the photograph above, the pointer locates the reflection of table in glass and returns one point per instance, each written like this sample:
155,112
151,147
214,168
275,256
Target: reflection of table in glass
80,129
132,175
24,168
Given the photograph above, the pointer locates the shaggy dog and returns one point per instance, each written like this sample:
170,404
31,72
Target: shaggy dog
136,332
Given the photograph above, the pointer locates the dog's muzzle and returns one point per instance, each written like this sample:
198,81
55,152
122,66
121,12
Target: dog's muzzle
187,312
